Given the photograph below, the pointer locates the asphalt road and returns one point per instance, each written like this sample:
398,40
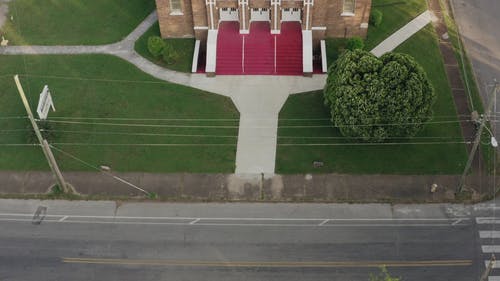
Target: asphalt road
479,22
103,241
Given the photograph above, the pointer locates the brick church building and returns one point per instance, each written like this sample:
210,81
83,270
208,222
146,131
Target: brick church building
266,37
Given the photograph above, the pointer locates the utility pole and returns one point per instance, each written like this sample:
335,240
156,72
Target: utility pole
43,143
477,140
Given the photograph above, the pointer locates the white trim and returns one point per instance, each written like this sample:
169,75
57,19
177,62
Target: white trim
324,64
194,65
176,13
211,51
243,56
318,28
347,14
275,31
307,52
201,28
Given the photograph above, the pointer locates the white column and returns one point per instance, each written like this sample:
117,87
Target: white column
211,7
308,4
243,21
276,5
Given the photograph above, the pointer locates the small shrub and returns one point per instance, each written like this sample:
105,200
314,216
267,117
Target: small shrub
46,129
152,196
156,45
169,54
376,17
355,43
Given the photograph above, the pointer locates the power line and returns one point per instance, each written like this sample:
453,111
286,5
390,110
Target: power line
220,119
226,136
141,134
147,119
19,144
279,144
142,125
13,117
236,127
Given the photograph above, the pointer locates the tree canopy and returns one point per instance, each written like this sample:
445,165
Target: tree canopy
378,98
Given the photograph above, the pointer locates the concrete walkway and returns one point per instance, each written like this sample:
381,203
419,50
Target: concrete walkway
407,31
258,98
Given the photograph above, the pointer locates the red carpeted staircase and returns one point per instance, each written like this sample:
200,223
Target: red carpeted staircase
229,49
259,49
289,49
260,52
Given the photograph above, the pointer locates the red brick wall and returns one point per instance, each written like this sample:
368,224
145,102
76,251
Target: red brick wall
325,13
175,26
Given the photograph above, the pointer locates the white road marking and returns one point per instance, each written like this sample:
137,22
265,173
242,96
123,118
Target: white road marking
496,264
231,221
240,224
485,207
488,220
243,218
62,219
494,278
489,234
323,222
195,221
491,248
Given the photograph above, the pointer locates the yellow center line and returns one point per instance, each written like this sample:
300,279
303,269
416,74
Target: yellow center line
194,263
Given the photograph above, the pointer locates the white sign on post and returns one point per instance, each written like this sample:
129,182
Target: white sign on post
45,103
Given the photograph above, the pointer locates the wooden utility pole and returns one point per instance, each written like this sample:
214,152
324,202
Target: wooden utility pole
477,140
43,143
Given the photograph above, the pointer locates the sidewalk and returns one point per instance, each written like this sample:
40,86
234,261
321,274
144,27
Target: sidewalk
258,98
230,187
403,34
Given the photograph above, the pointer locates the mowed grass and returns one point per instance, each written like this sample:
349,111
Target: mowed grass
73,22
396,13
183,46
347,156
112,91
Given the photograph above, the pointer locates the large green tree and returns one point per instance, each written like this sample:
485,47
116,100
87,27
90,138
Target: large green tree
378,98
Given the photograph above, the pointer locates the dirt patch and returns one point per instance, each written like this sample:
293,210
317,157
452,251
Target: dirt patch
4,11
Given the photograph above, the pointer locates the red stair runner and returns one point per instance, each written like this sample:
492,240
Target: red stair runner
289,49
260,52
229,48
259,49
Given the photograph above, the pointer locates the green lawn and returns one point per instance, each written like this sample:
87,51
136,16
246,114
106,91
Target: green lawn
99,86
334,46
387,159
73,22
183,46
396,13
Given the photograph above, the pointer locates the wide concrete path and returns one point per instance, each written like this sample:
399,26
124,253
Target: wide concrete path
407,31
258,98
